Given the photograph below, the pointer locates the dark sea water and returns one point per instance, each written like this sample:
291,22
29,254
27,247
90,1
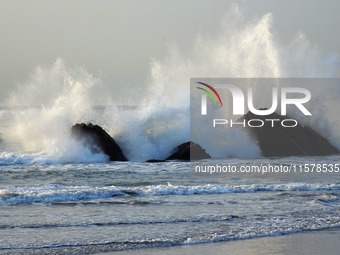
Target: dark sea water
89,208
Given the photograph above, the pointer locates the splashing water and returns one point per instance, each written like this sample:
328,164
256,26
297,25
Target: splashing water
161,121
68,96
250,50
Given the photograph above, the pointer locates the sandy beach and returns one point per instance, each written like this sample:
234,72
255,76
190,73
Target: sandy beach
312,243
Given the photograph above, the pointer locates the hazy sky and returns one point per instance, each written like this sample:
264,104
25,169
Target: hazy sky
119,38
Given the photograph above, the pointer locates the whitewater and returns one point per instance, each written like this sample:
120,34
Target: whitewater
96,207
58,197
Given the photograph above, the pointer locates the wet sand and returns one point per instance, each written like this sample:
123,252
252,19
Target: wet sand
325,242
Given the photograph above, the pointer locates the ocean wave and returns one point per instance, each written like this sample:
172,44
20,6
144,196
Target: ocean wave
60,193
107,245
44,158
193,219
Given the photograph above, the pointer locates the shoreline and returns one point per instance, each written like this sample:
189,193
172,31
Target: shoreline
315,242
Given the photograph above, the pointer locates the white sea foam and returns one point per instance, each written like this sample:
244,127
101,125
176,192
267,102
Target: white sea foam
81,155
62,193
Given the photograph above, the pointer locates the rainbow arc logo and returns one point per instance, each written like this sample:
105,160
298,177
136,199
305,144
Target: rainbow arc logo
212,93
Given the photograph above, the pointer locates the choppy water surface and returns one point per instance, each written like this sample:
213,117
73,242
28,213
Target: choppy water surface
58,208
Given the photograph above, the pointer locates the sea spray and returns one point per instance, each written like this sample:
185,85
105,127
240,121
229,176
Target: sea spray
251,50
56,98
51,102
160,120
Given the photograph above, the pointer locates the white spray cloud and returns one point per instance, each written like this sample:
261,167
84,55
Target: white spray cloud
247,50
240,49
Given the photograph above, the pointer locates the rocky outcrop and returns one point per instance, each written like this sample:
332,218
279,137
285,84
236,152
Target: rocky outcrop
188,151
155,161
185,152
97,140
279,141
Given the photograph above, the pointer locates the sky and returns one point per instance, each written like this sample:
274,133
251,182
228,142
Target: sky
117,39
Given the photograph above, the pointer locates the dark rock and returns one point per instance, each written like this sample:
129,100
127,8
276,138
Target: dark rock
281,141
188,151
155,161
95,138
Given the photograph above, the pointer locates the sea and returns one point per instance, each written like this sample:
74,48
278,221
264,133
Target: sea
51,206
58,197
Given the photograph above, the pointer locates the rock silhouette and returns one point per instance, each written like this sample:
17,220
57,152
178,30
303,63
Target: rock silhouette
281,141
155,160
97,140
188,151
185,151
